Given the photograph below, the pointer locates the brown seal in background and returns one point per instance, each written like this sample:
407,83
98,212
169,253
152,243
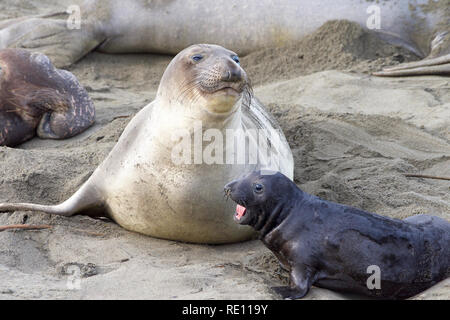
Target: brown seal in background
38,99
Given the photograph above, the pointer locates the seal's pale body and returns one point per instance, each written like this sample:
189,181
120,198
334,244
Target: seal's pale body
158,26
142,188
147,193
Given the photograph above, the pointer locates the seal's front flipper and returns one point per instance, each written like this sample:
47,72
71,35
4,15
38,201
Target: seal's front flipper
301,281
289,293
52,35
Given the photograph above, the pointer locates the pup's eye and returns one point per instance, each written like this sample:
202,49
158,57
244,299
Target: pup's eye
258,188
197,57
236,59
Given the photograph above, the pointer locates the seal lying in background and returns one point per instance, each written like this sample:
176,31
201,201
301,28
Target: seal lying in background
144,188
36,98
157,26
331,245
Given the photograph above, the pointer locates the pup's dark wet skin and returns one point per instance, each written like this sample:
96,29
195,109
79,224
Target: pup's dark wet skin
38,99
330,245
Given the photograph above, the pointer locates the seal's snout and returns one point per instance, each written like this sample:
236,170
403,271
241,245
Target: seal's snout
232,74
228,188
241,210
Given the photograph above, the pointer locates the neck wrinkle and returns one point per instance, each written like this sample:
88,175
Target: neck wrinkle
174,116
276,217
280,213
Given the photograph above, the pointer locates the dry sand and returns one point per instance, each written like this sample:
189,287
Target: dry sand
353,137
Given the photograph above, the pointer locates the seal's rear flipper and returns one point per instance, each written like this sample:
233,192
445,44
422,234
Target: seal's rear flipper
52,35
85,201
56,210
434,66
437,62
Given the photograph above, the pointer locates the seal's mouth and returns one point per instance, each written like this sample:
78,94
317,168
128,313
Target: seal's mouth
229,90
233,91
242,215
240,212
222,100
235,88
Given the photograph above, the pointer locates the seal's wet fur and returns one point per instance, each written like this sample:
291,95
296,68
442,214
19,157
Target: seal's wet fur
332,245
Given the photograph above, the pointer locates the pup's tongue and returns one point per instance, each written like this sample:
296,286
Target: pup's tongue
240,211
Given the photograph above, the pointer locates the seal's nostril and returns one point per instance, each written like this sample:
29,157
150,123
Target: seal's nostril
232,75
236,74
227,188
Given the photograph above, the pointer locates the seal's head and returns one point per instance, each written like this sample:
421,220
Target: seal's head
261,195
205,78
36,97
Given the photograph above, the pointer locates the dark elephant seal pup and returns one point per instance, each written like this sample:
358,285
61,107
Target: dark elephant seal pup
203,96
330,245
37,98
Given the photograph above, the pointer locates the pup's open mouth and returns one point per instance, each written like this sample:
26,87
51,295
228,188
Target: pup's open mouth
240,212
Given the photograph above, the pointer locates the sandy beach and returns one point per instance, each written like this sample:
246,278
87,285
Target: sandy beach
354,137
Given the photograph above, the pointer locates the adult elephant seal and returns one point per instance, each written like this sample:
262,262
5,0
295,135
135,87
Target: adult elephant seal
152,183
338,247
36,98
159,26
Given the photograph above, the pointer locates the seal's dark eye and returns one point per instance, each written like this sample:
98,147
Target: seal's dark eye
236,59
197,57
258,188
